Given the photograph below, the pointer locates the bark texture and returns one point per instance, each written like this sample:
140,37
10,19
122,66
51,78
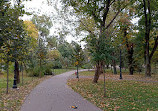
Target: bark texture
97,72
17,71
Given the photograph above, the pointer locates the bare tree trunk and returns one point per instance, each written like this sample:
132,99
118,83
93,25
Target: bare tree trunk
114,67
114,64
40,73
17,71
147,34
107,66
97,72
7,77
130,60
22,73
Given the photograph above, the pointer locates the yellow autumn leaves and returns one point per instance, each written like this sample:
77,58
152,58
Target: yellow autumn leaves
31,29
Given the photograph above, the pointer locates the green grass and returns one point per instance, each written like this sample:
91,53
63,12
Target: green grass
120,95
60,71
87,73
3,80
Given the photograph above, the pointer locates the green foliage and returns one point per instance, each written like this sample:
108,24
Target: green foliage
35,72
48,69
87,66
53,54
43,24
100,49
57,64
66,50
78,55
52,42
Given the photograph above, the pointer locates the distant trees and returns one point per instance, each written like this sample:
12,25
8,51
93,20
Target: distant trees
148,24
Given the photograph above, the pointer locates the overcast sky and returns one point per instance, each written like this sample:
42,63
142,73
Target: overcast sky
50,9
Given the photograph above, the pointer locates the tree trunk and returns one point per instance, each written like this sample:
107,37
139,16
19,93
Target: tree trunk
107,66
114,67
97,72
147,35
17,72
7,77
40,73
130,53
114,64
148,70
147,65
130,60
22,73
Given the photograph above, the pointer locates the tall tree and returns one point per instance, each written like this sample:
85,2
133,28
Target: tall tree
147,23
43,24
98,10
126,30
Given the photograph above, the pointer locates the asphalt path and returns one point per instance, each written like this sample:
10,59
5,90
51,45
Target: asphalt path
54,95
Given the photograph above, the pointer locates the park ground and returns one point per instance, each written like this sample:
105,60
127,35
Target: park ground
15,98
133,92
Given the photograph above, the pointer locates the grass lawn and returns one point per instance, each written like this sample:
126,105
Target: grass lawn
15,98
87,73
121,95
59,71
125,75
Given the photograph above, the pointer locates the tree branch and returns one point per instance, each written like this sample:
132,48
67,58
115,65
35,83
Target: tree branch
87,28
154,48
112,20
106,11
115,16
112,2
96,18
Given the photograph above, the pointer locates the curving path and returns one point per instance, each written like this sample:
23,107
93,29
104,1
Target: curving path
54,95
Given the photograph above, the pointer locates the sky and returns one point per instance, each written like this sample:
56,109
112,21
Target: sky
50,9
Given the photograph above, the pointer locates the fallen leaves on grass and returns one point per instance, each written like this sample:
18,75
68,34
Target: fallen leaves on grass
15,98
120,95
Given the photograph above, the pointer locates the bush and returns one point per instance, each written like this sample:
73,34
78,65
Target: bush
36,71
57,65
87,66
47,69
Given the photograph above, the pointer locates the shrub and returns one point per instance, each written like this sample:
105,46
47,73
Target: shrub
47,69
36,71
87,66
57,65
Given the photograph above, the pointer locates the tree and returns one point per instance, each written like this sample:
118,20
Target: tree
52,42
147,23
66,50
43,24
99,12
32,32
53,54
13,44
126,27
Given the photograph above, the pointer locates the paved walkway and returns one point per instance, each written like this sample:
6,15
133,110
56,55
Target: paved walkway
54,95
